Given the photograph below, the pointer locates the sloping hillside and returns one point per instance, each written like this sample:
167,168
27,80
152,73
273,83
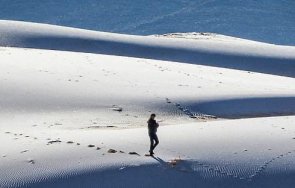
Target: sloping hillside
216,51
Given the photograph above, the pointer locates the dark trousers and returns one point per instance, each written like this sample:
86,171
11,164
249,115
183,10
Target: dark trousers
154,141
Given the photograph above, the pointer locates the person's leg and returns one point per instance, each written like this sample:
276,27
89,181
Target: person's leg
156,140
151,144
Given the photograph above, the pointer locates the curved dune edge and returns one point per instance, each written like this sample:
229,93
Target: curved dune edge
257,57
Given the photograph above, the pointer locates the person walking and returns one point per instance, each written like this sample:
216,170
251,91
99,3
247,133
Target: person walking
152,127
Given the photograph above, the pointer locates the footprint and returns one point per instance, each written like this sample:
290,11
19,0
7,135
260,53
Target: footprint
133,153
168,100
117,108
53,141
110,126
112,151
24,151
91,145
31,161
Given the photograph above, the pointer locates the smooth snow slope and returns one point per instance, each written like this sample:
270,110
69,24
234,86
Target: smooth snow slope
270,21
256,152
35,81
242,55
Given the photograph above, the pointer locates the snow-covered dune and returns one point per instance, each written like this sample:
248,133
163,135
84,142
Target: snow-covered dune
236,54
238,153
270,21
74,105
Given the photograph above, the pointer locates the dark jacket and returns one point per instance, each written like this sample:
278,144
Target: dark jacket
152,125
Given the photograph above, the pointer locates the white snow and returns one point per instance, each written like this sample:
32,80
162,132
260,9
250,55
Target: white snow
260,57
60,85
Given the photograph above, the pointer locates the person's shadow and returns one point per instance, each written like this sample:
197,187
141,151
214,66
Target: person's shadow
185,166
161,161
